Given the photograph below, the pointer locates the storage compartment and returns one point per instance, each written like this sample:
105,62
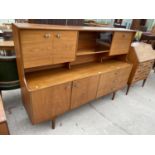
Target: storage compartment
94,42
46,47
84,90
121,43
115,43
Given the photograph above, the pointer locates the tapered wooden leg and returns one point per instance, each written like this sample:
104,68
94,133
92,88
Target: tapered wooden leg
53,123
144,81
113,96
128,88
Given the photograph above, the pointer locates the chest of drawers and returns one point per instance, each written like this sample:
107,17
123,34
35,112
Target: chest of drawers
142,57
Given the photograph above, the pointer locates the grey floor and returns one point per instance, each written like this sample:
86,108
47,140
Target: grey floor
132,114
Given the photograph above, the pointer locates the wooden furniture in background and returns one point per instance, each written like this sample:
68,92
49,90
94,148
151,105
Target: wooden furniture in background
142,57
3,122
139,24
75,22
6,45
63,67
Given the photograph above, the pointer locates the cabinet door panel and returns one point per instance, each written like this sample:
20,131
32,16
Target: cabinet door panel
106,83
36,47
64,46
122,77
50,102
84,90
121,43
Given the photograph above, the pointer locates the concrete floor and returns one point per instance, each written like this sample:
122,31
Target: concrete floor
132,114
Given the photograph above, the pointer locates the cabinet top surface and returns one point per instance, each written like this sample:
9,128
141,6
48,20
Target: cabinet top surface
144,52
75,28
2,114
42,79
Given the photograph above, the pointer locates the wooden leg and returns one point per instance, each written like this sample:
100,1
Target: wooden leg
113,96
53,123
144,81
128,88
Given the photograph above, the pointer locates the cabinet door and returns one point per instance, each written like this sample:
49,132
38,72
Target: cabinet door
50,102
121,77
106,83
84,90
64,46
36,47
121,43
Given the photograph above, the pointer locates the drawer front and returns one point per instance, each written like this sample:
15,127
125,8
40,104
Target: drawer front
121,43
64,46
142,71
36,47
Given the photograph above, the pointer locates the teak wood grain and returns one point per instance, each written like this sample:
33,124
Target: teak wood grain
50,102
68,28
44,47
121,43
55,78
84,90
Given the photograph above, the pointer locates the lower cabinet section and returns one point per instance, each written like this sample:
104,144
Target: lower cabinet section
51,102
84,90
113,80
47,103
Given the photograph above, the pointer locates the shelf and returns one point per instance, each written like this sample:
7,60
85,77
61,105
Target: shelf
103,43
47,78
90,52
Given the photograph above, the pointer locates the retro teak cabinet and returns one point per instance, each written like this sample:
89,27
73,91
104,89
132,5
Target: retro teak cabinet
63,67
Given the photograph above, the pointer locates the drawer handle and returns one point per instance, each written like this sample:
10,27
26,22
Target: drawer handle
58,35
47,35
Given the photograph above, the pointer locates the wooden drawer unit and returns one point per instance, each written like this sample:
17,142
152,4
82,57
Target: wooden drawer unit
121,43
84,90
46,47
142,71
114,80
142,57
50,102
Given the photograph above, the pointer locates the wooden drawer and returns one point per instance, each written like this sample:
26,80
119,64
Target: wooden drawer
43,47
114,80
147,64
36,47
121,43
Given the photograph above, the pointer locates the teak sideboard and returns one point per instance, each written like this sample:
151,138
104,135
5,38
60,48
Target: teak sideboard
63,67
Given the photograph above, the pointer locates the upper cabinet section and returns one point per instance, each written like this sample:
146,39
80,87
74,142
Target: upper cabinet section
121,43
46,47
42,45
